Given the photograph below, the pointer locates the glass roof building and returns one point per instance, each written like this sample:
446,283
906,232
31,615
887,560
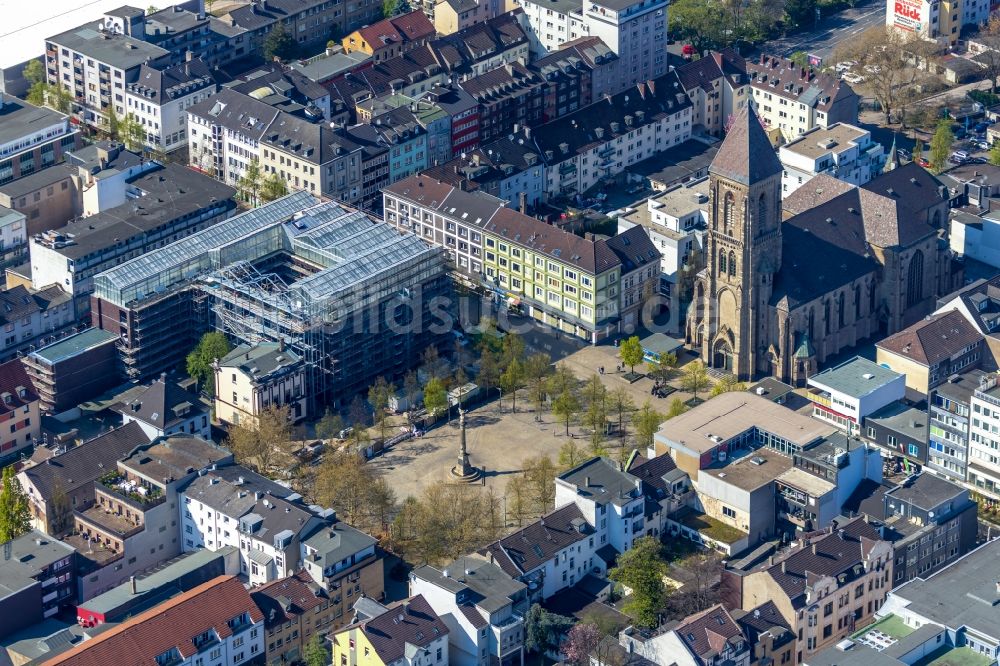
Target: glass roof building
338,288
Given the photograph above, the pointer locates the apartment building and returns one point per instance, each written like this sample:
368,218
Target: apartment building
718,87
844,395
586,288
163,408
277,535
224,133
312,157
249,380
979,303
609,499
575,75
930,521
796,99
20,417
483,608
32,138
676,222
551,554
825,586
76,368
635,30
942,22
509,97
504,169
33,318
598,142
702,639
64,482
309,22
949,417
406,633
406,139
294,611
391,37
159,98
984,445
952,615
172,202
94,62
131,526
843,151
442,215
932,350
453,15
214,623
39,581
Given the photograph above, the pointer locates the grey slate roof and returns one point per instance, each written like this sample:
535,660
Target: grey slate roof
600,480
81,465
746,155
927,491
117,50
335,542
485,585
30,554
162,85
260,360
531,546
236,111
160,403
409,622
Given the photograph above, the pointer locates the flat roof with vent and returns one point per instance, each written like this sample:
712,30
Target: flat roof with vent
857,378
821,141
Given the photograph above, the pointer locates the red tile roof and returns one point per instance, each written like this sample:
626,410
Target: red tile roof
172,624
15,381
405,28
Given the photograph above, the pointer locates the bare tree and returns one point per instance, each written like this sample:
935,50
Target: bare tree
888,59
989,37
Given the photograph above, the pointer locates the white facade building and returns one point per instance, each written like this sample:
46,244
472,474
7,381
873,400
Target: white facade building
984,442
636,30
846,394
159,99
675,221
224,133
483,607
936,20
843,151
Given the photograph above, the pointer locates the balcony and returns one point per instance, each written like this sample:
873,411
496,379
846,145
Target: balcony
511,620
820,397
131,492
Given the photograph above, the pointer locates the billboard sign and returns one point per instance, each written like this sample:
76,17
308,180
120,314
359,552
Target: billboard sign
906,14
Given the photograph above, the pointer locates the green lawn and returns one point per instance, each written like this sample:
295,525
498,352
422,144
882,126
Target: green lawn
890,626
962,656
712,528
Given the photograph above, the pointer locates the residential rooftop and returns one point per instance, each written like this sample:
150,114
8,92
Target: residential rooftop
820,141
74,345
115,49
29,555
600,480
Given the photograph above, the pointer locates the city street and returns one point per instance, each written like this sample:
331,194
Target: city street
831,31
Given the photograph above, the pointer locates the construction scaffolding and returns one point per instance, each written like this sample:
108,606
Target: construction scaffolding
326,281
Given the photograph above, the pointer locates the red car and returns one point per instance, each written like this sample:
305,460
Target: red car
922,162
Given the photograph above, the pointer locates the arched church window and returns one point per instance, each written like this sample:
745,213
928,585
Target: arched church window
761,213
812,323
840,311
871,297
732,263
826,317
915,279
722,262
857,302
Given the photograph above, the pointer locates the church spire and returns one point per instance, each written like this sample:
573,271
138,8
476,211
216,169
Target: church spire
746,155
890,162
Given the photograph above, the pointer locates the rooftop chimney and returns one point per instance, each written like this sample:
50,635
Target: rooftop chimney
132,585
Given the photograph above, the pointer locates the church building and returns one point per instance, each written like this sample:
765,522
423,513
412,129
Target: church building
788,284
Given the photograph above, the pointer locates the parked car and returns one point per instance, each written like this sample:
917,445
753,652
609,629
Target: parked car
904,154
850,77
981,127
923,162
960,155
982,144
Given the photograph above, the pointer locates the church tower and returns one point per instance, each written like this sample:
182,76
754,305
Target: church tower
729,320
